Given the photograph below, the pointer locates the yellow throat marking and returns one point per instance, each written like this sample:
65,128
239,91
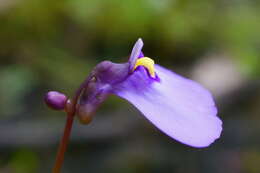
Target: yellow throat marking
148,63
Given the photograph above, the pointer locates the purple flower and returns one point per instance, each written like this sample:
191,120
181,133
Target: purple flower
179,107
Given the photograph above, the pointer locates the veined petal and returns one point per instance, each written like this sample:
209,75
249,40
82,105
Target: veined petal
179,107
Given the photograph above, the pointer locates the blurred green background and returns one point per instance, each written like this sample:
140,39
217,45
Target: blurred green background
52,45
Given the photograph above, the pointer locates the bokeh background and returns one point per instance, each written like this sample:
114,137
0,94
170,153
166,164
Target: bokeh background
52,45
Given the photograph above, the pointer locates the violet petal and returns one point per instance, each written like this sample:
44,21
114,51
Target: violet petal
136,51
179,107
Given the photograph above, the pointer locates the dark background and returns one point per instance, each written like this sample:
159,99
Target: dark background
52,45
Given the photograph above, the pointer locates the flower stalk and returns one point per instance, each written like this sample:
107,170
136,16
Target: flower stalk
70,109
63,144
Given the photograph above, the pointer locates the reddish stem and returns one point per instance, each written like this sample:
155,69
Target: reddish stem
63,144
70,109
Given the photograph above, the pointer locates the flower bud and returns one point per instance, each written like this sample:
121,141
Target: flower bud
55,100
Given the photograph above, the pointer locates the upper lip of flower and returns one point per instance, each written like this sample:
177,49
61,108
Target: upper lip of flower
136,52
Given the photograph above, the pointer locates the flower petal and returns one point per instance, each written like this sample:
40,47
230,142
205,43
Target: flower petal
179,107
136,52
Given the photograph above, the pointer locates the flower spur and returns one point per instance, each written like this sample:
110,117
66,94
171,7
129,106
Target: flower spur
179,107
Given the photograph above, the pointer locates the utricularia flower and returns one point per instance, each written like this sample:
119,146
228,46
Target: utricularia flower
179,107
